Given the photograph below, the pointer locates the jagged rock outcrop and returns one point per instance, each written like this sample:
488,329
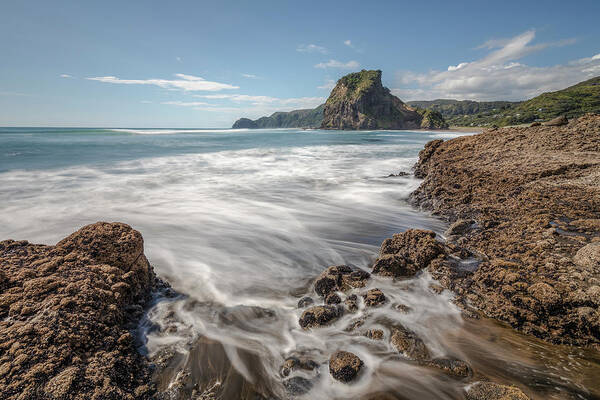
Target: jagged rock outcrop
66,312
360,101
529,199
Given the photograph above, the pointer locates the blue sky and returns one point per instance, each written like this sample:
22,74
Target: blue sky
204,64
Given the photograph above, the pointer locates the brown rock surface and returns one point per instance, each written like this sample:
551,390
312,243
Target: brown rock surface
339,278
65,315
494,391
344,366
374,298
319,316
409,344
407,253
534,194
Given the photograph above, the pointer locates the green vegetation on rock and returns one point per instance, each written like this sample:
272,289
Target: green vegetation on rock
571,102
360,101
432,119
307,118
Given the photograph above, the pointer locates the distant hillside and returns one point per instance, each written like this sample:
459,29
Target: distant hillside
572,102
453,108
308,118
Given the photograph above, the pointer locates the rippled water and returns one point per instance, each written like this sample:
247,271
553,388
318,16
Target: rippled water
240,223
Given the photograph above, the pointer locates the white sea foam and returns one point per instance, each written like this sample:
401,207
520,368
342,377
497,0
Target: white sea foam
251,228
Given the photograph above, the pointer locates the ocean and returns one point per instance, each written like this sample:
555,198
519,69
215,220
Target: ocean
240,222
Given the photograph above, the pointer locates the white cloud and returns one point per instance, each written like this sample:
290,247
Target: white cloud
65,76
179,59
338,64
250,76
596,57
186,103
146,102
185,83
348,43
498,75
457,67
263,100
328,85
311,48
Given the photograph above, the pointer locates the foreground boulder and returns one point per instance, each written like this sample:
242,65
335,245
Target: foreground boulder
494,391
66,312
533,194
344,366
407,253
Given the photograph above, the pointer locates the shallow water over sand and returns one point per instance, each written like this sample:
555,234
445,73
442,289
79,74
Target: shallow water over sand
240,223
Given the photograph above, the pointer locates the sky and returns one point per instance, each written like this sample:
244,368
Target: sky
194,64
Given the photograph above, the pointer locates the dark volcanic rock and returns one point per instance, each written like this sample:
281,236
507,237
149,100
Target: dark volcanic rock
494,391
375,334
333,298
535,194
305,302
319,315
344,366
407,253
374,298
359,101
339,278
409,344
451,366
351,303
65,312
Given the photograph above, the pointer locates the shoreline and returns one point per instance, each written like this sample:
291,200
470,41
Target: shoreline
477,219
525,202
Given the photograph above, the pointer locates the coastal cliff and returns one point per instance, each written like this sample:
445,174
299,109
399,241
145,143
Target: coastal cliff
360,101
525,203
67,312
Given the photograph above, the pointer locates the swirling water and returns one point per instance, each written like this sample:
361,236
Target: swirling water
240,222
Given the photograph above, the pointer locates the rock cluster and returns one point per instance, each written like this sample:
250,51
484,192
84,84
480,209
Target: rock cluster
66,312
524,202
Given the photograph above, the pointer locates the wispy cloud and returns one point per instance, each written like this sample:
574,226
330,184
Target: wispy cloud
179,59
65,76
185,83
348,43
311,48
251,76
186,103
262,100
338,64
146,102
328,85
499,75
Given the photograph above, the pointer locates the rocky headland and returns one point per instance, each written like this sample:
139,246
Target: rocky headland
358,101
67,313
